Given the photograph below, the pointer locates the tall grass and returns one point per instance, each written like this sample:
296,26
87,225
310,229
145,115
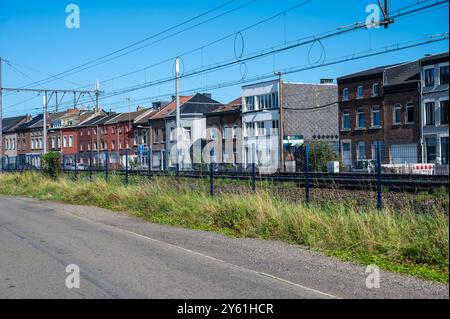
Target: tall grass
416,244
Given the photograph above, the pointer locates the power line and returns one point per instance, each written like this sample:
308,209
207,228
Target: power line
298,43
341,30
135,43
370,53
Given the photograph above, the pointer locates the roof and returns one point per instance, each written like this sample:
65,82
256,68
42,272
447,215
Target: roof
198,104
434,57
369,72
124,117
144,119
10,123
162,113
91,121
402,74
233,106
29,124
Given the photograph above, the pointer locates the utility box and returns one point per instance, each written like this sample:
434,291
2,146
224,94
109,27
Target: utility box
333,167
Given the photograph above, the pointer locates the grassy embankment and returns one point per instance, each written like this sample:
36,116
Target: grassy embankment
415,244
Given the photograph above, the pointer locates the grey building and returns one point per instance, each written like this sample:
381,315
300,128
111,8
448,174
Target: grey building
434,92
308,113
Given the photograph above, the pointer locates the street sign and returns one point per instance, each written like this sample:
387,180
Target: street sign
141,149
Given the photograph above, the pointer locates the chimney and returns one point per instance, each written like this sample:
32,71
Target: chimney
326,81
139,108
156,105
209,95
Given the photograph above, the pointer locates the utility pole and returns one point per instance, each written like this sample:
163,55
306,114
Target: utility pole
281,126
1,119
178,116
45,104
44,127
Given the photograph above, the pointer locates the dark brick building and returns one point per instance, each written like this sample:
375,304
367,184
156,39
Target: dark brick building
380,104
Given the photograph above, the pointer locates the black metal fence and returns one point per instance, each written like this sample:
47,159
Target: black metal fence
379,168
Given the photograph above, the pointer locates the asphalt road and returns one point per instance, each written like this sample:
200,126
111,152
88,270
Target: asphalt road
120,256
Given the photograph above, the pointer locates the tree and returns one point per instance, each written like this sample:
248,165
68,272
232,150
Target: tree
50,164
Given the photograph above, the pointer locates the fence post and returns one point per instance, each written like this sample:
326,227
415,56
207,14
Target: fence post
76,166
126,167
307,174
177,169
149,161
379,195
90,166
107,166
211,179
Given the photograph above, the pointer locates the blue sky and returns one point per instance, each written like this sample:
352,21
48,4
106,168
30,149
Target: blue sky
34,37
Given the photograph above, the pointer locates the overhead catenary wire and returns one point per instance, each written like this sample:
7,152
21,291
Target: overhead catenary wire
340,31
298,43
84,65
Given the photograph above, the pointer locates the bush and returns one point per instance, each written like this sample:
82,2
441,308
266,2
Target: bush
320,153
50,164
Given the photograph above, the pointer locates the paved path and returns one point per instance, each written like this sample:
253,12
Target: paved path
124,257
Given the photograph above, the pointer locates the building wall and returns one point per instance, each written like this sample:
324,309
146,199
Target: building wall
219,122
399,142
434,134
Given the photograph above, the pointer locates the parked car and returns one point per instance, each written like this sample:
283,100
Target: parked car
365,166
79,167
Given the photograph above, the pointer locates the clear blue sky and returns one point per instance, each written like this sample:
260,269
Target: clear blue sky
34,36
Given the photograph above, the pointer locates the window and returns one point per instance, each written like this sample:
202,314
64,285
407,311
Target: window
225,133
40,142
213,133
429,113
71,141
361,151
59,141
396,116
360,91
172,134
156,136
430,144
234,133
444,150
374,150
7,144
360,118
248,129
346,120
136,137
259,129
89,146
113,130
81,147
81,132
444,112
444,75
345,94
275,128
376,117
53,142
409,113
429,77
187,133
144,136
375,89
65,141
250,103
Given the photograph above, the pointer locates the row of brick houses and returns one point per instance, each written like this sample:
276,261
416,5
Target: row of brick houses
404,106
